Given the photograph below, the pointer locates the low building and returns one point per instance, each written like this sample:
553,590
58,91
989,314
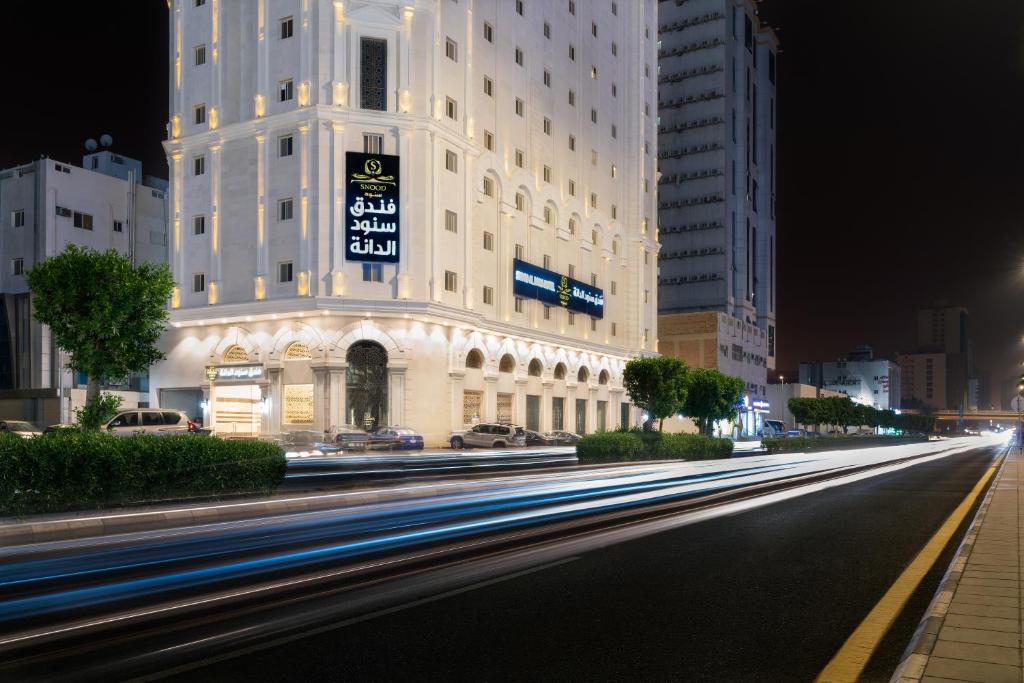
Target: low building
865,379
780,394
46,205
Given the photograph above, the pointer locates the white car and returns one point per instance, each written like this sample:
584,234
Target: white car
19,428
150,421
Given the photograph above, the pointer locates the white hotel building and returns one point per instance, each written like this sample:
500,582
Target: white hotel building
520,131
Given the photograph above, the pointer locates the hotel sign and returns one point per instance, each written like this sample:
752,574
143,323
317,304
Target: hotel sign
371,207
219,372
532,282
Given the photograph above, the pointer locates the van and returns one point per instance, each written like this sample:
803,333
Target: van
150,421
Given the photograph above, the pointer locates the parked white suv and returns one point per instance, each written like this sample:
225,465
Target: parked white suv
150,421
489,435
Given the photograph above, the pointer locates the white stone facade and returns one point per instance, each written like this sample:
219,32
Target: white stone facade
523,131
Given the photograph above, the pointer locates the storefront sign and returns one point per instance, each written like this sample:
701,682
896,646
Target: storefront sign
371,207
218,372
532,282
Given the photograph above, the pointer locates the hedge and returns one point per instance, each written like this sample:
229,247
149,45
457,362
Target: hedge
637,445
71,469
802,444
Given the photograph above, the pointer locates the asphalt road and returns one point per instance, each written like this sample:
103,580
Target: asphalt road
768,594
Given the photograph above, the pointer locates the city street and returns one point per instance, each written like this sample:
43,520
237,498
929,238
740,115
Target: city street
680,570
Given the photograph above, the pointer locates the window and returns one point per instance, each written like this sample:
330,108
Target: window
547,30
547,78
287,28
572,270
451,161
489,140
547,126
451,49
615,243
199,282
593,236
593,200
200,3
451,281
519,56
572,7
285,90
82,220
199,55
572,98
519,7
547,261
488,32
18,218
451,221
118,226
520,158
451,109
572,188
489,241
373,79
615,329
547,179
615,90
489,187
488,87
593,29
520,252
17,266
593,72
615,211
572,318
488,295
199,114
198,225
519,305
572,142
593,157
284,271
198,165
615,49
572,52
547,312
647,296
284,146
519,107
593,115
615,131
284,209
373,272
613,287
593,277
373,144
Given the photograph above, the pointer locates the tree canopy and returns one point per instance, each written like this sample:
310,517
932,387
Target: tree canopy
656,385
711,396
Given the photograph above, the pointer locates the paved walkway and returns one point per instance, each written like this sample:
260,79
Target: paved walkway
972,631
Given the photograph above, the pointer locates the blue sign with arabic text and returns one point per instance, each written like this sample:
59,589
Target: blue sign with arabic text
371,207
533,282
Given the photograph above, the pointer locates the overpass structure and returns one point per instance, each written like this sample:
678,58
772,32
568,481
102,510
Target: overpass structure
996,416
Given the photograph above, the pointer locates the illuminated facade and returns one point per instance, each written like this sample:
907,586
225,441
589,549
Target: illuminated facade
519,132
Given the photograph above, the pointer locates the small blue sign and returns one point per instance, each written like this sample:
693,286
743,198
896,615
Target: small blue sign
533,282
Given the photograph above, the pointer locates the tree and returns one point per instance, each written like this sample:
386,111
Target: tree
711,396
104,312
805,410
656,385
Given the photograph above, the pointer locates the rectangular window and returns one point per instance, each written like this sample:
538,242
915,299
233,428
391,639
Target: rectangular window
572,188
647,296
593,157
200,3
285,90
593,279
572,98
373,73
593,29
615,131
373,144
488,32
17,266
519,7
572,318
519,305
519,107
520,158
548,216
489,241
593,200
488,187
373,272
520,252
118,226
489,140
199,114
198,225
613,287
547,262
18,218
547,30
519,56
451,109
547,178
451,221
451,49
547,126
284,271
488,87
287,28
451,161
488,295
615,329
615,8
284,209
547,78
547,312
198,165
572,52
615,209
572,270
572,10
615,50
451,281
199,55
284,146
593,115
572,142
199,282
82,220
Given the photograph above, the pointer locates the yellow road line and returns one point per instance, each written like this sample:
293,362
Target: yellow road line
849,662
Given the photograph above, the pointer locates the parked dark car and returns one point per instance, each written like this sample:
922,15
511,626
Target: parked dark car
560,438
537,439
396,438
306,443
351,438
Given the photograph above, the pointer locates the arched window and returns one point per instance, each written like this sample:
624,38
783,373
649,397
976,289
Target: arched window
603,377
560,371
507,364
366,385
583,375
474,359
536,368
235,354
297,351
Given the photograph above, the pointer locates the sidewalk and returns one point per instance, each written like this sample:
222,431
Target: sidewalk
972,631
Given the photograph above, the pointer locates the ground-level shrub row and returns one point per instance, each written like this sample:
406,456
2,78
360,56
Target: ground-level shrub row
636,445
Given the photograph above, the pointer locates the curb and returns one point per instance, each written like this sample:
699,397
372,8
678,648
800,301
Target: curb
915,658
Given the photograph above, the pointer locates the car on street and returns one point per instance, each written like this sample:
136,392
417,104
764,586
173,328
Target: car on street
534,438
304,443
53,429
150,421
773,428
19,428
797,432
489,435
561,438
396,439
350,437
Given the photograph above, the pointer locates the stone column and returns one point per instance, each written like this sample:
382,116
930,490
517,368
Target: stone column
615,407
273,418
569,414
490,406
319,399
519,409
545,405
396,394
458,384
592,409
208,410
335,397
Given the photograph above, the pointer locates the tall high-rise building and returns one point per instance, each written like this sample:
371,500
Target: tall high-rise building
425,213
717,185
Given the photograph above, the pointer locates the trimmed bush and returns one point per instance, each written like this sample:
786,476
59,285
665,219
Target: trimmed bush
72,469
638,445
800,444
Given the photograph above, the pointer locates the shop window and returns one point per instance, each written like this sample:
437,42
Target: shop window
366,384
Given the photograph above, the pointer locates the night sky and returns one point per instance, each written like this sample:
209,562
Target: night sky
900,151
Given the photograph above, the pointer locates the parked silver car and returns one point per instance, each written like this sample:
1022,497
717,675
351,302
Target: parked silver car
150,421
19,428
488,435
